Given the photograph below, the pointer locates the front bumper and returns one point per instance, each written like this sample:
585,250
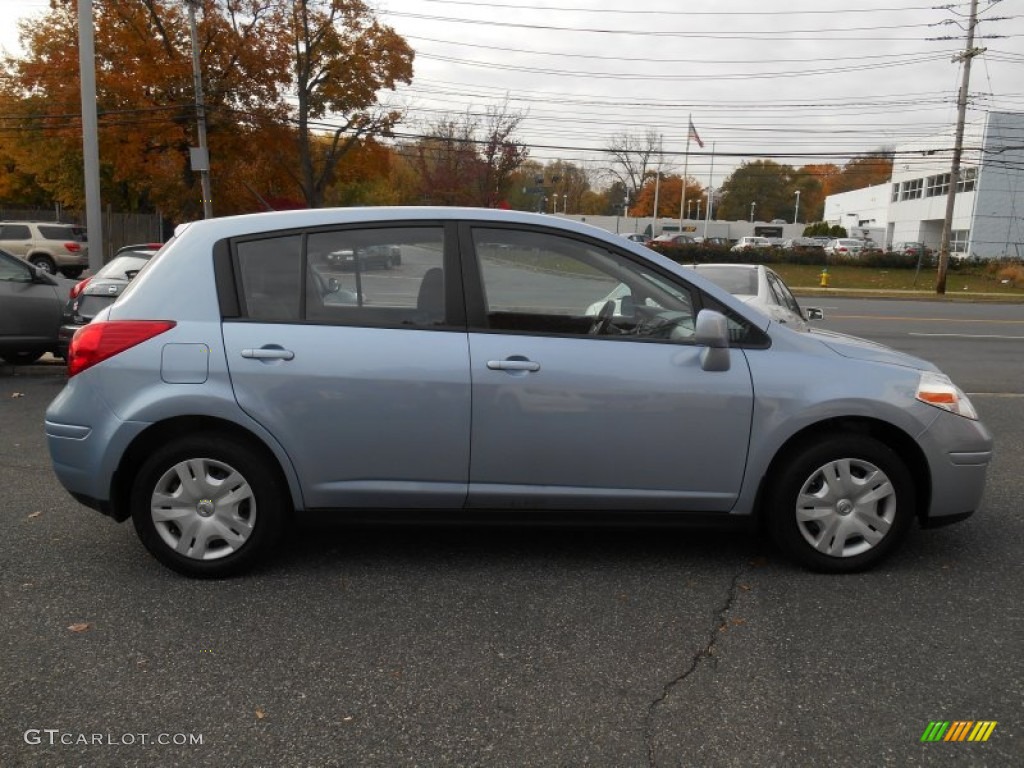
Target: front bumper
959,451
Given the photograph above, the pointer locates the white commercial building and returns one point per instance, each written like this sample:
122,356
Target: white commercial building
988,213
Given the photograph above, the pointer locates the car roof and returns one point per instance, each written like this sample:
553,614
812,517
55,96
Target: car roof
269,221
208,231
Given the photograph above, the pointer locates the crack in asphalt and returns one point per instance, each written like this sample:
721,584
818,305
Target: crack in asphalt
706,652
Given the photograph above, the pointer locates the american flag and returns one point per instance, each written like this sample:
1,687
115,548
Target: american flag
693,135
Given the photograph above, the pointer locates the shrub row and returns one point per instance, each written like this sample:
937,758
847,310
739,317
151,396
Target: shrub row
697,253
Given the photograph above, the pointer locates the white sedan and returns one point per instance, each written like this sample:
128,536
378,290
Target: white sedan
754,284
761,287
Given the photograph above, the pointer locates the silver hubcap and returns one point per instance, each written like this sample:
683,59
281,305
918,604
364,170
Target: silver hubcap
203,509
846,507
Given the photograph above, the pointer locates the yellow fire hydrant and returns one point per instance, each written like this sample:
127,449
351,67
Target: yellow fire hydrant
824,278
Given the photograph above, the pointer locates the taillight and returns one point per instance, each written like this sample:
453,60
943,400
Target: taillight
78,287
73,247
98,341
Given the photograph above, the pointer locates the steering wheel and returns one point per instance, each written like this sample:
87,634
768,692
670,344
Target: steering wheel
603,319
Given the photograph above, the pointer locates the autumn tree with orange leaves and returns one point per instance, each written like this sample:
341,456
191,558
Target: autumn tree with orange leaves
668,194
255,54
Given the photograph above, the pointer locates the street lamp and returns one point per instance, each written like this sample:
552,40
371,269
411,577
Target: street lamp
565,203
689,207
752,207
699,201
796,211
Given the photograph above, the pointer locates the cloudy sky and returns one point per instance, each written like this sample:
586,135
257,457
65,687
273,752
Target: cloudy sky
801,81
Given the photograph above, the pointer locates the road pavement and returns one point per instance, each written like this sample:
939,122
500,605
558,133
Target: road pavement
437,647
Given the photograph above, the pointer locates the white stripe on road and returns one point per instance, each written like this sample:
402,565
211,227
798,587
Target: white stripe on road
967,336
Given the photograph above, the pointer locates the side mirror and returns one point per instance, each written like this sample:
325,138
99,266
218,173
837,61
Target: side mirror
712,332
813,313
39,275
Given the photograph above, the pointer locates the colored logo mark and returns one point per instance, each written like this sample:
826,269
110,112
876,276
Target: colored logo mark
959,730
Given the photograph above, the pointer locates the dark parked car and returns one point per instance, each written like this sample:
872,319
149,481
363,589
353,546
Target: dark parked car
803,245
368,257
912,249
30,310
92,294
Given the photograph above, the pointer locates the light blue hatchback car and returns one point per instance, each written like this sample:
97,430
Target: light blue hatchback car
245,377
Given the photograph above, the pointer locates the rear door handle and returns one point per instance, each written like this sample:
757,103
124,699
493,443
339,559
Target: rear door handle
513,364
269,352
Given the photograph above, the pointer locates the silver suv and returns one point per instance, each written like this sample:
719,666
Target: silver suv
49,245
245,376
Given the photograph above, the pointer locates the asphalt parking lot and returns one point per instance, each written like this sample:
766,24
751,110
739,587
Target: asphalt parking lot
438,647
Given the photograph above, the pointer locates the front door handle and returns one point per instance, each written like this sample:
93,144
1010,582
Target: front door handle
513,364
269,352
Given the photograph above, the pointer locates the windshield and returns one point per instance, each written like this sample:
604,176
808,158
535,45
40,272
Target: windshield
120,266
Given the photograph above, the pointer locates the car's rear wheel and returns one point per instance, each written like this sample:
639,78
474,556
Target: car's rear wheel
72,272
45,263
22,357
209,505
842,504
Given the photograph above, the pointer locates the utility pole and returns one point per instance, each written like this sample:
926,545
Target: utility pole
90,135
958,147
200,155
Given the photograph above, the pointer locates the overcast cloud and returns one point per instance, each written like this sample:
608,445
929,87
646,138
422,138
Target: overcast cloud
801,81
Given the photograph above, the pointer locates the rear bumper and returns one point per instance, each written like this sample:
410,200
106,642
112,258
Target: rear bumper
64,336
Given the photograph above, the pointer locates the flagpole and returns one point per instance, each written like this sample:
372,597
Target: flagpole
711,192
686,166
657,184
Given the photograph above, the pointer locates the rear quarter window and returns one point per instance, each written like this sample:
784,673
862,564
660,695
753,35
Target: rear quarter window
52,232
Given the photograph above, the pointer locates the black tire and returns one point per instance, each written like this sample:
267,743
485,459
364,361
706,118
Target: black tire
230,528
72,273
45,263
867,503
23,357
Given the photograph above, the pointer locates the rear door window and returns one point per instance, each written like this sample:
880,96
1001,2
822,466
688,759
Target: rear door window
376,276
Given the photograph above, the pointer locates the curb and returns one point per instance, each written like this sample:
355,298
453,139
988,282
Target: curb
904,295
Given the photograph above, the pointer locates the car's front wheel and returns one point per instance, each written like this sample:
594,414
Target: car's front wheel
45,263
208,505
841,504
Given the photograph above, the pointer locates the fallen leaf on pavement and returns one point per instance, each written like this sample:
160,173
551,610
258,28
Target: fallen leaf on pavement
80,627
260,714
34,514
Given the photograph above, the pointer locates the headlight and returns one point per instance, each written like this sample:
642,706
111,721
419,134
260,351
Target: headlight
937,389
